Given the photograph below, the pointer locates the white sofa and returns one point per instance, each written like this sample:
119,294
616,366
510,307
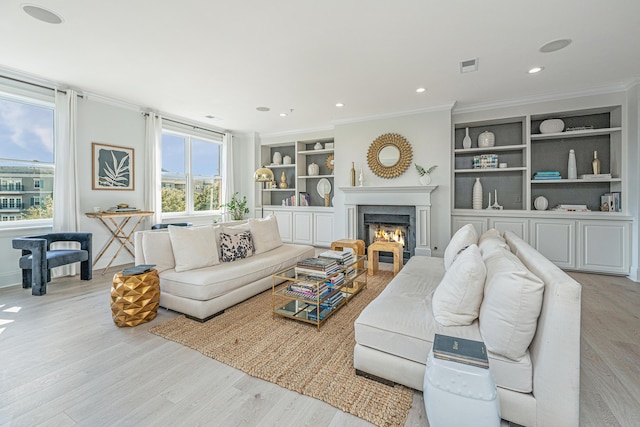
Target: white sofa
201,293
394,335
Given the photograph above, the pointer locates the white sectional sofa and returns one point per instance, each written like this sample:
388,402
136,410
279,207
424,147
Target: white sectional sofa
529,320
198,282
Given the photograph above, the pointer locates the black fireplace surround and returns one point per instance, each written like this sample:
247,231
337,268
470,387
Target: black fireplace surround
388,215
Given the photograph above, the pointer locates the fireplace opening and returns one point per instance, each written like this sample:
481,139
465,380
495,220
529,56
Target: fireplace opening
388,223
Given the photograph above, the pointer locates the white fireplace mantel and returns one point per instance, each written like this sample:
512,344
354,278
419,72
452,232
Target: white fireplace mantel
417,196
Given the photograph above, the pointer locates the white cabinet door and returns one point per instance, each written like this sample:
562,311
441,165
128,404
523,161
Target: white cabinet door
322,229
457,222
518,226
285,224
303,228
604,246
555,239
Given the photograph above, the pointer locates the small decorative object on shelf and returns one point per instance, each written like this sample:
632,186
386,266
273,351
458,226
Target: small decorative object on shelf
328,146
477,194
572,172
283,181
353,174
552,126
486,139
277,158
360,179
330,162
286,160
313,169
425,174
466,141
318,146
495,205
541,203
595,164
326,200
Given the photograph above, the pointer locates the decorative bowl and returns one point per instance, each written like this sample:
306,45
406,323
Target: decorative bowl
551,126
541,203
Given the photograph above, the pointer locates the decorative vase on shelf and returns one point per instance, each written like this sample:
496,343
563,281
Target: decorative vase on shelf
283,181
572,171
361,178
425,179
477,194
286,160
486,139
353,174
313,169
277,158
318,146
466,141
595,164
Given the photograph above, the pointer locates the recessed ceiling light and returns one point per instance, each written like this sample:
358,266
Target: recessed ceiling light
263,108
420,90
42,14
555,45
339,104
283,114
535,70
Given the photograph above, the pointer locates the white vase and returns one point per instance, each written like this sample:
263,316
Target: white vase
572,171
477,194
466,141
313,169
286,160
425,179
277,158
486,139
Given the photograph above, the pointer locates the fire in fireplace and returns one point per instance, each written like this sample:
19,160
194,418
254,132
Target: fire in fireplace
388,223
387,233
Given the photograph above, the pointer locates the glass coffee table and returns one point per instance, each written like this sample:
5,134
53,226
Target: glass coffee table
314,300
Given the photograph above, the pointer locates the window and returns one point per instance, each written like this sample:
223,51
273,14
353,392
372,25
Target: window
26,144
191,181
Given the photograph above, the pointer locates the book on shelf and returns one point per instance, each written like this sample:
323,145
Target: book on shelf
317,263
571,208
342,257
460,350
305,199
611,202
128,209
313,314
595,176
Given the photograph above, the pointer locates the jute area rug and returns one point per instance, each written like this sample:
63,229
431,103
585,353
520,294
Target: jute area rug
296,355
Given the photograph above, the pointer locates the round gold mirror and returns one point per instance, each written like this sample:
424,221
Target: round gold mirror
389,155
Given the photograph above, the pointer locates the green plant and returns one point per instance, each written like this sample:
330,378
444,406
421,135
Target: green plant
236,207
422,170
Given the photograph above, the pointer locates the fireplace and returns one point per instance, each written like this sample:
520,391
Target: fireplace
388,223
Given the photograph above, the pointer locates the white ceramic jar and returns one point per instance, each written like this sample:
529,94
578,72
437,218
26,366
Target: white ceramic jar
286,160
486,139
277,158
313,169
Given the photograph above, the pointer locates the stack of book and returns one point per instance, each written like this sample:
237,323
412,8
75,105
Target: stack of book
317,268
341,257
460,350
611,202
595,176
546,175
307,291
326,307
571,208
335,281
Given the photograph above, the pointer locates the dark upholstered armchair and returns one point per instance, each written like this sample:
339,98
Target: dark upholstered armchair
38,258
177,224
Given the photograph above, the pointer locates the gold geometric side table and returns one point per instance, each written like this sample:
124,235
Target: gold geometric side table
134,299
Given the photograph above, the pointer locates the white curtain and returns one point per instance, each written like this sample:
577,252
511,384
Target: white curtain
153,166
66,215
227,168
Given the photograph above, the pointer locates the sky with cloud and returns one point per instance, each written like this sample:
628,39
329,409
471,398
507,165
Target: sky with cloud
26,131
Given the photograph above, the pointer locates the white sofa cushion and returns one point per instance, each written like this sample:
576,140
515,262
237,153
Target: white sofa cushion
265,234
511,305
157,249
193,247
465,236
457,298
490,241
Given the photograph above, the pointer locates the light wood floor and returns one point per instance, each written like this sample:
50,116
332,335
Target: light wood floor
63,362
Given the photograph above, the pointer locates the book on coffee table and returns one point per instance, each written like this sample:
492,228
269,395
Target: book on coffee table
460,350
137,269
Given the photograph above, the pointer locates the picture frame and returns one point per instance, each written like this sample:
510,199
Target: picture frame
112,167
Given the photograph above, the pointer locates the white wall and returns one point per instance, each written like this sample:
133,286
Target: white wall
633,156
429,134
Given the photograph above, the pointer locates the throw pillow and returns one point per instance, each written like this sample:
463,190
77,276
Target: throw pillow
465,236
511,305
457,298
193,247
265,234
236,246
490,241
157,249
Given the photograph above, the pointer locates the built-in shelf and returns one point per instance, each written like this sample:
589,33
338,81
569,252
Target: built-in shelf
575,133
279,189
281,166
490,149
315,176
573,181
490,170
323,151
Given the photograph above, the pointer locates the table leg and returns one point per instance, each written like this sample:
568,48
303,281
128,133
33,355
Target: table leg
373,261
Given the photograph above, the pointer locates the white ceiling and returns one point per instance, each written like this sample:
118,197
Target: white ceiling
193,58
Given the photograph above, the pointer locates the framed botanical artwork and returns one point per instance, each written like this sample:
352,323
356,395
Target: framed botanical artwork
111,167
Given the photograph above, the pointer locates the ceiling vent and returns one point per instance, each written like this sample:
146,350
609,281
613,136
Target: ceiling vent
469,65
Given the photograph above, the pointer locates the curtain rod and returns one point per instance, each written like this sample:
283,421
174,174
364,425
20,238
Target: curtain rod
38,85
187,124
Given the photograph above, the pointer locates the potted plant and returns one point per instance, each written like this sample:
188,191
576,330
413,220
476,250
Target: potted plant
236,207
425,174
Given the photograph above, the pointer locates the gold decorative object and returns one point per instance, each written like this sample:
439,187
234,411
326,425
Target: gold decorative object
283,181
263,175
134,299
389,155
330,161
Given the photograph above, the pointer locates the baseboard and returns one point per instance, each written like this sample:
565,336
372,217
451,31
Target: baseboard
10,279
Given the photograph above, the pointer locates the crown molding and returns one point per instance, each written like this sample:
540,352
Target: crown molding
296,132
382,116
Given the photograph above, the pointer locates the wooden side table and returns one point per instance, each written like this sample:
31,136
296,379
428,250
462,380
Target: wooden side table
373,253
135,299
356,245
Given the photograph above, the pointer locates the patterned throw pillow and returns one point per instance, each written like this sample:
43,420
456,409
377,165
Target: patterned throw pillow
235,247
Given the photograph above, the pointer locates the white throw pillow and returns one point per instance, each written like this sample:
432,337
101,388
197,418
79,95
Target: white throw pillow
511,305
465,236
490,241
194,247
265,234
157,249
457,298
